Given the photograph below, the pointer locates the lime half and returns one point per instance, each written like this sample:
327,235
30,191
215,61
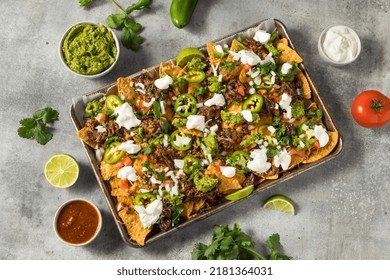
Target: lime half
241,193
281,203
61,170
187,54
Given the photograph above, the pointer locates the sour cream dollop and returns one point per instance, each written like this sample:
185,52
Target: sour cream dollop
340,44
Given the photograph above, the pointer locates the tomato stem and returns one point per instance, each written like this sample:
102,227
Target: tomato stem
376,105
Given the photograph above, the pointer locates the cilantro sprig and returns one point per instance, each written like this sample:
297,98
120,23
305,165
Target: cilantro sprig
124,22
36,127
235,245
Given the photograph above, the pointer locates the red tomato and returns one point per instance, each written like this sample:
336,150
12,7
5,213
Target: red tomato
371,109
247,67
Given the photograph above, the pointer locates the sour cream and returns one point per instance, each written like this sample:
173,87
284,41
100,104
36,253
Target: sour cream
340,44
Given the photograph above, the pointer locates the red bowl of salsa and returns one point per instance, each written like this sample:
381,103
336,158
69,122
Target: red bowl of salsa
77,222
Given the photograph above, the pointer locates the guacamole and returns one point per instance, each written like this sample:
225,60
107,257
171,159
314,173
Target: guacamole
89,49
205,183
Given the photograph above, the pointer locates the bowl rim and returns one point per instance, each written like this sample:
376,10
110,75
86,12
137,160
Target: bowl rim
327,58
97,229
94,75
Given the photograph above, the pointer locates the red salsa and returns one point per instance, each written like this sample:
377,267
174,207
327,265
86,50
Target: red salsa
77,222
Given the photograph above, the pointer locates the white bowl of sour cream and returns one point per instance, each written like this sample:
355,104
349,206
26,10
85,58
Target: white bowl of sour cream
339,45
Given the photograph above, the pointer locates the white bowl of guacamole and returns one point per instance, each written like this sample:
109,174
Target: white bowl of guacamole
89,49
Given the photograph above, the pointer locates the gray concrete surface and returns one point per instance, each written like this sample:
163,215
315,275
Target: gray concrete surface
343,206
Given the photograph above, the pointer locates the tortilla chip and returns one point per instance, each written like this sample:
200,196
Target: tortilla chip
134,226
271,177
288,54
324,151
236,46
109,171
306,91
295,161
188,206
283,41
125,90
226,185
82,134
193,132
197,206
211,49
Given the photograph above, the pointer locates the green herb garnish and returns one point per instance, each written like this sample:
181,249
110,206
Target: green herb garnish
36,127
235,245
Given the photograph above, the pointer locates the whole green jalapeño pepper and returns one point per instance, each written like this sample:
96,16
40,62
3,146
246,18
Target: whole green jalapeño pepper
254,103
191,163
113,154
181,11
113,101
143,199
185,105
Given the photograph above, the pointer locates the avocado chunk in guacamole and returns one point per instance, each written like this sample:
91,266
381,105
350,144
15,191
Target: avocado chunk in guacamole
89,49
205,183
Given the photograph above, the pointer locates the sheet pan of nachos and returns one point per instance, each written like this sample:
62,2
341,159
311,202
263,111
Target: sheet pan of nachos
168,144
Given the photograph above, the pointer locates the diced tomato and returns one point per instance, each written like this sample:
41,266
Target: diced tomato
124,185
316,145
241,90
127,161
167,183
246,67
101,117
297,152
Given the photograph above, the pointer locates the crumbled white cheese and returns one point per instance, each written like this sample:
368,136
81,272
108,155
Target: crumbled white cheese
129,147
155,181
100,129
286,68
162,107
285,105
247,115
321,135
257,80
196,122
220,78
165,141
217,100
127,173
259,161
271,129
249,57
228,171
252,90
255,74
149,214
268,59
219,48
282,159
179,163
262,36
126,117
199,105
99,152
150,103
164,82
181,140
214,129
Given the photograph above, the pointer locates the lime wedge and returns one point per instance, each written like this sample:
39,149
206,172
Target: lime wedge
187,54
61,170
241,193
281,203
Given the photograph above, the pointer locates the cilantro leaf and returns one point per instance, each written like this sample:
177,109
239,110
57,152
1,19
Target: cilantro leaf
84,3
27,128
47,115
235,245
36,127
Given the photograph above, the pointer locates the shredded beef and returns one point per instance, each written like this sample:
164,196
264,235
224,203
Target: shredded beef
231,94
291,129
290,89
225,142
166,217
112,129
165,155
270,108
257,48
152,126
212,114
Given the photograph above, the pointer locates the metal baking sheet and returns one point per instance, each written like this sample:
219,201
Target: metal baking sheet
77,117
